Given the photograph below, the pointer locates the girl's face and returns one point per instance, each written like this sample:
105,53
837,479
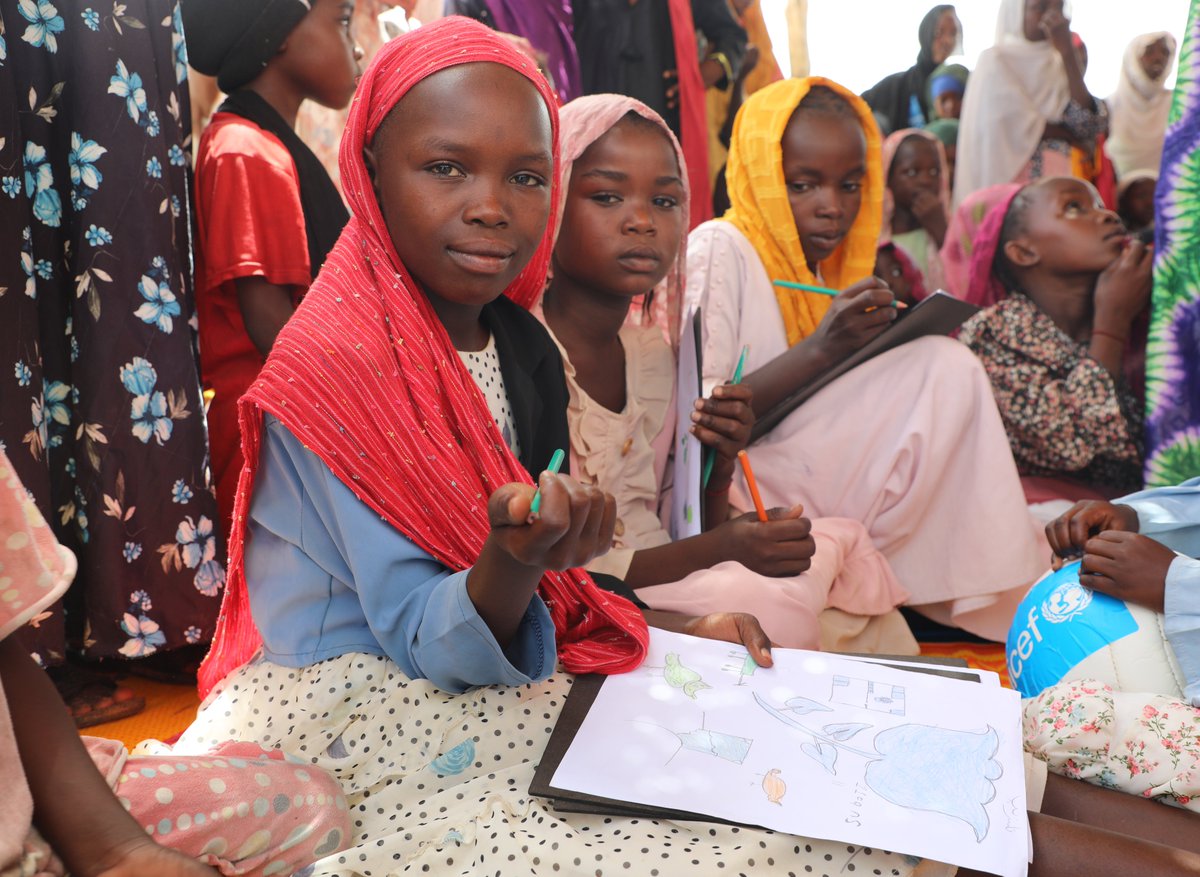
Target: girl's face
1137,203
321,54
623,220
462,169
824,165
1035,11
889,269
945,38
915,169
1154,59
1069,228
948,105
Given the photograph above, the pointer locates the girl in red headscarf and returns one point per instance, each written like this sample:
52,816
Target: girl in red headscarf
384,557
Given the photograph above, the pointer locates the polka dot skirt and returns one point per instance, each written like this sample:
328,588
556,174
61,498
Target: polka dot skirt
438,783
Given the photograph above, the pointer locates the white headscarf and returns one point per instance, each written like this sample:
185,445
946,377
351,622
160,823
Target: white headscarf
1138,109
1017,87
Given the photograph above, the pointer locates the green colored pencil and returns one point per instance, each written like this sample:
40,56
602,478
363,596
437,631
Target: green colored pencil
556,461
807,287
710,459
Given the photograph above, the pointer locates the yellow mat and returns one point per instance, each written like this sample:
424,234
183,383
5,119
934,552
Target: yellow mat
169,709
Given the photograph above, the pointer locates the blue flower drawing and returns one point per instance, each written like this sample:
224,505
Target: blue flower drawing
138,376
44,269
91,18
39,185
144,636
149,415
176,156
55,394
44,23
82,160
128,85
10,186
22,373
98,235
181,493
193,634
132,551
159,306
154,168
152,124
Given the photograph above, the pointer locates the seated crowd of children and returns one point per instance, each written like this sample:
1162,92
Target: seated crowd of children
402,618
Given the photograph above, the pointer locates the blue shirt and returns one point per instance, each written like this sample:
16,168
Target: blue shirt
1171,515
327,576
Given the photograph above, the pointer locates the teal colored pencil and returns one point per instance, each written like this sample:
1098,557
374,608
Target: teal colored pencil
711,458
807,287
556,461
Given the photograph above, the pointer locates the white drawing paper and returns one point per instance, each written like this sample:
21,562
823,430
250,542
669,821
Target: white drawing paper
818,746
689,453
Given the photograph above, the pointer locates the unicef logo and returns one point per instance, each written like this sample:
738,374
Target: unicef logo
1065,602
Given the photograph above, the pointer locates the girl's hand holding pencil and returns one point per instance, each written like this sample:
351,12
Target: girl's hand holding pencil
855,316
781,546
723,423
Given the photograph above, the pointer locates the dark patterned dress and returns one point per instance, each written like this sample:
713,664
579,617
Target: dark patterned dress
1064,413
100,408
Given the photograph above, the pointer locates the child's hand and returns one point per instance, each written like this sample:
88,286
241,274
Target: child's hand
575,522
781,546
1071,530
1127,566
929,210
1123,289
146,857
1057,28
857,315
723,422
734,627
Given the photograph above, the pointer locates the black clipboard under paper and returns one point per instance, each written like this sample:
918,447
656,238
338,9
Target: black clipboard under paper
939,314
579,702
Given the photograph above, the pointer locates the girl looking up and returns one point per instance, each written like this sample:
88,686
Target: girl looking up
393,565
901,456
267,213
1069,283
916,206
623,230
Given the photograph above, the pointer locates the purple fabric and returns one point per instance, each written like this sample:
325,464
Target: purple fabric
548,25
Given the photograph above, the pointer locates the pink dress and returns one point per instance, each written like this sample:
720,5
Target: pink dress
239,808
910,445
626,453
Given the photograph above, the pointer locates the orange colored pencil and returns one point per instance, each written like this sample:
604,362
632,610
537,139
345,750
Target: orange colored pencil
753,485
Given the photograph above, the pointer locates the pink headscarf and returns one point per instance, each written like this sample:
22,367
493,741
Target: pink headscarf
963,232
985,288
582,122
890,147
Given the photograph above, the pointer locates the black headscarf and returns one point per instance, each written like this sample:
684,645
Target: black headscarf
234,40
325,213
891,98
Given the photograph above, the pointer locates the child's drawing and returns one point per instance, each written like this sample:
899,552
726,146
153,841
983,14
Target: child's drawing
743,668
726,746
865,694
919,767
774,786
684,678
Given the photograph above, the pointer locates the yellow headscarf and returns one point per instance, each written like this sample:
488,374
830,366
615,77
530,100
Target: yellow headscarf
760,208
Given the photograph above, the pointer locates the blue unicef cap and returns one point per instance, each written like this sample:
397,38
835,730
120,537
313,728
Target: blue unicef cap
1058,624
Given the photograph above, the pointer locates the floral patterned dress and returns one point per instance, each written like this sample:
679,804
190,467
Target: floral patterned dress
100,408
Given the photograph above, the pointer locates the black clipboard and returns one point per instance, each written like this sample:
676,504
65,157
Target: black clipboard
939,314
579,702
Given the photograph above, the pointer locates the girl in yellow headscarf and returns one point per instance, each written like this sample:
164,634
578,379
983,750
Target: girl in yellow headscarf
910,443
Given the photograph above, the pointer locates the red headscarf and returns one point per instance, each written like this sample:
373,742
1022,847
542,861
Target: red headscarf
693,109
365,376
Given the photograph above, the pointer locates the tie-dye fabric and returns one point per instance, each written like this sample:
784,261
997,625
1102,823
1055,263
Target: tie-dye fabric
1173,352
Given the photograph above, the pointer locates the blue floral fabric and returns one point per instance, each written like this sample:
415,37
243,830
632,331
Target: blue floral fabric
1173,350
100,408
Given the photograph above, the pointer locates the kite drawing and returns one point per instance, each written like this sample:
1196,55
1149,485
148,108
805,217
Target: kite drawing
868,695
743,668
